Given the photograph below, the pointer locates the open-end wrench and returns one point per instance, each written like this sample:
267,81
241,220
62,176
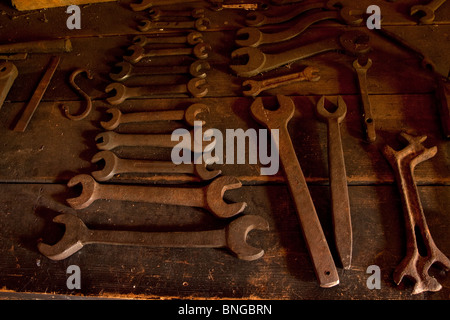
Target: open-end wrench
240,6
276,121
369,123
110,140
156,13
233,237
8,74
209,198
124,70
192,38
340,203
428,10
200,24
253,36
115,165
417,261
136,53
196,87
256,87
350,42
145,4
190,115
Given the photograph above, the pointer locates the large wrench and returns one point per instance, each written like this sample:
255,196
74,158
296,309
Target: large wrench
351,42
276,121
209,198
233,237
192,39
196,87
137,53
145,4
115,165
156,13
340,203
428,10
416,263
200,24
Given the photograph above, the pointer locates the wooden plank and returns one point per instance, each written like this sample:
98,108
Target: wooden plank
284,272
25,5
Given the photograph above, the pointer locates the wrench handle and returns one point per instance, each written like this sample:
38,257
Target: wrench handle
152,116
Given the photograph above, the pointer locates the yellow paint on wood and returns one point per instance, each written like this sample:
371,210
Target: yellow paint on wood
23,5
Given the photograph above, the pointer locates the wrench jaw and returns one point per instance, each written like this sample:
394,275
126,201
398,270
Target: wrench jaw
114,122
214,197
202,50
253,88
236,236
197,87
110,167
136,54
428,14
119,93
255,61
105,140
249,37
202,24
276,119
71,241
199,68
124,73
191,114
355,42
88,193
144,25
325,115
194,38
201,171
255,19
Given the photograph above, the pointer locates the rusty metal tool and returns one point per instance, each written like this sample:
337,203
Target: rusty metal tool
256,87
114,165
417,261
216,6
427,10
209,198
276,121
443,101
137,53
110,140
190,115
233,237
145,4
192,38
32,105
369,123
40,46
340,202
124,70
350,42
200,24
8,74
196,87
86,97
157,13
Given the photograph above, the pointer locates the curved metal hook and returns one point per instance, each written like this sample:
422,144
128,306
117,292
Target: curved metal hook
81,93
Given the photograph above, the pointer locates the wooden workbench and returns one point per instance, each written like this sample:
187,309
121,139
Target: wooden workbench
36,165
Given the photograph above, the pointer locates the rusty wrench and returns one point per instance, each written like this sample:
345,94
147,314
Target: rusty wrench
200,24
340,203
416,264
156,13
86,97
276,121
137,53
192,39
428,10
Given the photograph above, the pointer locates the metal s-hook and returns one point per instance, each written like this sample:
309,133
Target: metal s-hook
81,93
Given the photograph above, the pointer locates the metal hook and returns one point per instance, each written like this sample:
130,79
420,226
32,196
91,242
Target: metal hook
80,92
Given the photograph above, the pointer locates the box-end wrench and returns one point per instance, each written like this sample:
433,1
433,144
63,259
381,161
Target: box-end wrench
417,261
201,24
428,10
254,37
256,87
368,121
350,42
209,197
114,165
124,70
276,121
157,13
190,115
136,53
8,74
192,38
233,237
196,87
340,203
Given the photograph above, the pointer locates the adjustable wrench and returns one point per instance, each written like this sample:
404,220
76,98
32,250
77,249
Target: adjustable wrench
369,123
8,74
276,121
340,203
137,53
197,69
416,263
115,165
192,38
156,13
196,87
200,24
190,115
428,10
256,87
233,237
209,198
350,42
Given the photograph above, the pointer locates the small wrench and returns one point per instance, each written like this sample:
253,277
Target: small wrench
156,13
137,53
428,10
190,115
192,38
201,24
256,87
115,165
124,70
340,203
233,237
196,87
209,198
